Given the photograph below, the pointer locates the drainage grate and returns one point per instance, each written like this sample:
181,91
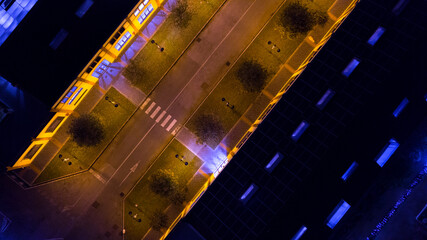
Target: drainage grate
198,39
107,234
227,63
115,227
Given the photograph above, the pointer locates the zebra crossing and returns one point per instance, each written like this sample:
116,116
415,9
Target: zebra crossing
155,112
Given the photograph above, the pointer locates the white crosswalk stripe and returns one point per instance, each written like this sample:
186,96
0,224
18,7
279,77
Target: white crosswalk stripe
171,125
150,107
145,103
166,120
160,116
155,112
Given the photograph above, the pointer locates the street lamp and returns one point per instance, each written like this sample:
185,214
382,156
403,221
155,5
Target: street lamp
181,159
274,46
158,46
111,101
227,103
65,160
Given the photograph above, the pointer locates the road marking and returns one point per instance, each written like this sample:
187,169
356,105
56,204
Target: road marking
155,112
160,116
133,150
171,125
145,103
150,107
99,177
166,120
176,129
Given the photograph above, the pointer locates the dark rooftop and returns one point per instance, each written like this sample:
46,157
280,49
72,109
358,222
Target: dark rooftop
30,63
356,123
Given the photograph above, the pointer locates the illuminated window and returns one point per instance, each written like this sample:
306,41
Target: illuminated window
387,152
84,7
101,68
249,193
337,214
325,99
123,41
117,35
274,162
300,130
349,171
69,94
350,67
145,14
400,108
299,234
376,36
140,7
74,96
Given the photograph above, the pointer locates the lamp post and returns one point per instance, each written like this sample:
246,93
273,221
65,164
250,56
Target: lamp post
65,160
227,103
111,101
181,158
274,46
158,46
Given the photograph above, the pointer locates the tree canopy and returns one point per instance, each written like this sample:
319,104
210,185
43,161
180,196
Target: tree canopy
252,75
86,130
297,18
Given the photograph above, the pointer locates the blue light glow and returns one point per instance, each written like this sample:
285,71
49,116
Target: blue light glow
387,152
300,232
11,14
350,67
337,214
101,68
58,39
84,7
249,193
145,14
300,130
325,99
274,162
400,108
399,202
75,95
376,36
349,171
123,41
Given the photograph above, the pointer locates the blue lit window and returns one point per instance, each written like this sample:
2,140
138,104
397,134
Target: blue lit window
140,7
400,108
74,96
145,14
249,193
300,232
386,152
350,67
300,130
68,95
274,162
101,68
325,99
337,214
123,41
376,36
349,171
